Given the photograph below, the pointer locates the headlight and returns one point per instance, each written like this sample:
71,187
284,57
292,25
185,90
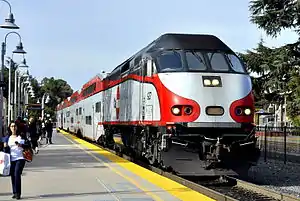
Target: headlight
175,110
207,82
215,82
247,111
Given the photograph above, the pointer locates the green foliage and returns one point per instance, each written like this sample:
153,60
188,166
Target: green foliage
57,89
273,67
296,121
275,15
280,64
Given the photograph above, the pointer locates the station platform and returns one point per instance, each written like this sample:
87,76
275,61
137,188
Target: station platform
73,169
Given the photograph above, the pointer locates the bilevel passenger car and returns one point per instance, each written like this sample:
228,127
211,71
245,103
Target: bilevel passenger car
184,101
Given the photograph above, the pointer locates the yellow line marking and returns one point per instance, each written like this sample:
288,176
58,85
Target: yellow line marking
180,191
155,197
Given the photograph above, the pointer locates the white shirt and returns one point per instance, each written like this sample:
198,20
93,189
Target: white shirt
16,152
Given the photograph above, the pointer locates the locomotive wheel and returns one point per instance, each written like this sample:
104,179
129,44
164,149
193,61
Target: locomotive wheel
153,159
78,133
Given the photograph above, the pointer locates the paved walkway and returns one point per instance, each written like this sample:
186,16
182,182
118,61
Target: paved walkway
66,171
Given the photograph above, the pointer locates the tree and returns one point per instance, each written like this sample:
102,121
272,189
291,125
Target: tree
37,91
58,90
273,67
275,15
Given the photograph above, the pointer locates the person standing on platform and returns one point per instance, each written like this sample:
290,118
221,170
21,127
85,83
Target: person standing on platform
39,129
33,135
16,145
49,129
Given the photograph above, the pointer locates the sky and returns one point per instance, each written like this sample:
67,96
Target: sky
75,40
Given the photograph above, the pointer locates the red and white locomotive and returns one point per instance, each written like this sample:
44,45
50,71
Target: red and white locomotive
184,101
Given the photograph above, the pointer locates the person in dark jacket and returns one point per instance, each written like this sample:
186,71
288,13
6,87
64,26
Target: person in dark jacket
49,130
33,134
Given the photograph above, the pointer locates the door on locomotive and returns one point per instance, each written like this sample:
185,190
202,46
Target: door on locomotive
146,105
61,120
93,119
98,119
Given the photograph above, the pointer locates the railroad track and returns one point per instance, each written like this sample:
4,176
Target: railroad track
226,189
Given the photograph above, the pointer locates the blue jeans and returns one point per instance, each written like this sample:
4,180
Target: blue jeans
16,170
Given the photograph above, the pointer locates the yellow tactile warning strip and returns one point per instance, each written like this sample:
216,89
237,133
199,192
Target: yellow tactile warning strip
172,187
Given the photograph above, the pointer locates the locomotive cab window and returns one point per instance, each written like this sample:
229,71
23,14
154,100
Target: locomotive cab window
235,63
169,61
125,67
195,61
218,61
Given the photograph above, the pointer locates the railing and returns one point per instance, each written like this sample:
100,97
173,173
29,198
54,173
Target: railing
279,143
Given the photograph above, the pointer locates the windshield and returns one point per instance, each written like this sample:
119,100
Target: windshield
170,61
199,61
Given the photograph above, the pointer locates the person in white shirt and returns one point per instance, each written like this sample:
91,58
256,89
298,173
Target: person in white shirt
16,146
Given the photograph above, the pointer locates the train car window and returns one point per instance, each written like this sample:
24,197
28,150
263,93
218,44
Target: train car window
80,111
218,61
137,60
77,112
170,61
235,63
125,67
195,61
88,120
98,107
72,120
73,100
64,120
89,90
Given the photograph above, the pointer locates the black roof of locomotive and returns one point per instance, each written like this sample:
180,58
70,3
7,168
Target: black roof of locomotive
188,41
204,42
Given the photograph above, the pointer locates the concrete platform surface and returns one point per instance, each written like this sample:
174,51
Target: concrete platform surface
66,170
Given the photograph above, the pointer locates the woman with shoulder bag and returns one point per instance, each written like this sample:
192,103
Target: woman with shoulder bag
16,144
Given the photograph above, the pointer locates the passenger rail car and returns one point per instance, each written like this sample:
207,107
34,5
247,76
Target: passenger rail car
184,101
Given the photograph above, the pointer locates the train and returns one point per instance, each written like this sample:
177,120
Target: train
184,103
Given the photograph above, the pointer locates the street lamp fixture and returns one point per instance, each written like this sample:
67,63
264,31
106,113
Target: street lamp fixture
10,21
19,49
47,99
23,64
27,81
26,75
